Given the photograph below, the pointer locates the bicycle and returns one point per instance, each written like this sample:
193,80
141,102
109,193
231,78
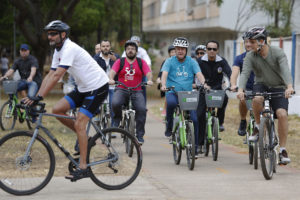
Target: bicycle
214,99
268,139
27,160
252,146
128,116
183,130
11,111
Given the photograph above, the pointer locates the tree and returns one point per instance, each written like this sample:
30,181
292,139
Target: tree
280,11
33,15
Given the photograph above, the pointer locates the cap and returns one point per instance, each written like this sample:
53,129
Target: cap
24,46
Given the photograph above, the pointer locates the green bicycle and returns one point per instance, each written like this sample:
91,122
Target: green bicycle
183,130
11,110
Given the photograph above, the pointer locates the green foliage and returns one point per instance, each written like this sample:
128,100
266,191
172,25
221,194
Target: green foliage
6,23
278,31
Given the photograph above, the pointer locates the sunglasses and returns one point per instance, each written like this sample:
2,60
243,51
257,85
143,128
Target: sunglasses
200,53
214,49
52,33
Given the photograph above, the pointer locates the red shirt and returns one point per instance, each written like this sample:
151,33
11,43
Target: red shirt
131,78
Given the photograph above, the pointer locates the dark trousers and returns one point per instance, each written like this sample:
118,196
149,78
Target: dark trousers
120,98
201,113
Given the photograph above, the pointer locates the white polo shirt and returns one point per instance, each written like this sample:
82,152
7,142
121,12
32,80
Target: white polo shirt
85,70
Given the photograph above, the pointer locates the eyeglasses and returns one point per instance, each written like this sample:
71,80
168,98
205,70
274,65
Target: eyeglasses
52,34
200,53
214,49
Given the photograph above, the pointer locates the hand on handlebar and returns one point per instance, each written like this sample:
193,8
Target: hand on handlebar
149,83
163,88
233,88
240,95
289,92
111,82
32,100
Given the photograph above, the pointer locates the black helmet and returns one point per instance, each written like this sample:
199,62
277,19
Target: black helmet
170,48
256,33
181,42
132,43
58,25
200,47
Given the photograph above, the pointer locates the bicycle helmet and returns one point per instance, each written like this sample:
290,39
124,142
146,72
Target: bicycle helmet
200,47
58,25
135,38
132,43
170,48
181,42
256,33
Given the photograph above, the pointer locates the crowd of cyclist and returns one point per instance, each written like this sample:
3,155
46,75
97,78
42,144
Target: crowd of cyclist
266,63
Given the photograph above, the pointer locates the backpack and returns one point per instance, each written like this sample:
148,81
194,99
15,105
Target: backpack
122,63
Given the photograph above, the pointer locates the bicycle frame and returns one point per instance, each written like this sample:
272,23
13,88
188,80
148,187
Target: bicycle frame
60,146
182,125
15,101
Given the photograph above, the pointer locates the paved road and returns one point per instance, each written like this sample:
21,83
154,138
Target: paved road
231,177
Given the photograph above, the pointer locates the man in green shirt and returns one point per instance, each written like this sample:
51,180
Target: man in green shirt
272,74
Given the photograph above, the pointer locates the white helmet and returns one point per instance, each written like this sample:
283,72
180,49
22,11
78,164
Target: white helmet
181,42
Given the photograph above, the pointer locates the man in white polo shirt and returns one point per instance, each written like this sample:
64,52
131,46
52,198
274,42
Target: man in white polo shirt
91,81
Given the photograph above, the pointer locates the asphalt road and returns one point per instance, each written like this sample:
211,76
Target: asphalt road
231,177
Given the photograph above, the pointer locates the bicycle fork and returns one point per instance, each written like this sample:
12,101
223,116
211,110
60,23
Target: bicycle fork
209,125
182,128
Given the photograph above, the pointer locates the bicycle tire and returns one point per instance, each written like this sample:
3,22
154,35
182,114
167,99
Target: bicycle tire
190,146
6,115
266,154
206,143
116,174
25,177
132,132
255,156
29,122
251,152
126,141
215,139
177,148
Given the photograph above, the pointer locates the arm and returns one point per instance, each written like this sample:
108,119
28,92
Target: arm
234,76
112,75
164,80
7,74
286,75
201,78
149,78
247,68
32,73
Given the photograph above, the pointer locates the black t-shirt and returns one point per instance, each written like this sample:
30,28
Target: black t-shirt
24,67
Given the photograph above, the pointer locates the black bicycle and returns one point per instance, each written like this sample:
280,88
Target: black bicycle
27,160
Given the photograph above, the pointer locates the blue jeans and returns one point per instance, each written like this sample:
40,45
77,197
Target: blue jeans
172,102
32,87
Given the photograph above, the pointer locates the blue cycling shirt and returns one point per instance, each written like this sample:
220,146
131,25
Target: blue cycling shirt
181,74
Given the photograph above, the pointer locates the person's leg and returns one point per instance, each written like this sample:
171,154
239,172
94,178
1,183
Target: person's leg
172,102
243,113
193,114
201,114
119,99
282,126
32,88
221,113
140,115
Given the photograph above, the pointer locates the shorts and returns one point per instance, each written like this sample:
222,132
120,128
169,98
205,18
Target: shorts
88,102
276,103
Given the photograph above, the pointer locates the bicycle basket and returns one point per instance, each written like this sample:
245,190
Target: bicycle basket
214,98
188,100
10,86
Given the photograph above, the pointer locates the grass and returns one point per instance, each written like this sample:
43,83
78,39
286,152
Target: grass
232,119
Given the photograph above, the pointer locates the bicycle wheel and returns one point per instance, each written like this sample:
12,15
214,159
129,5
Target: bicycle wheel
8,116
190,146
206,143
21,175
177,149
255,156
266,148
251,152
132,132
122,170
215,139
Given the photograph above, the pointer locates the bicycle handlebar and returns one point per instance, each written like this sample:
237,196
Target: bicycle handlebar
33,109
130,88
266,95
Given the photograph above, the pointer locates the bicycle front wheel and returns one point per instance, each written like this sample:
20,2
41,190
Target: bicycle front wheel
215,139
177,149
266,148
255,157
117,169
20,174
132,132
8,116
190,146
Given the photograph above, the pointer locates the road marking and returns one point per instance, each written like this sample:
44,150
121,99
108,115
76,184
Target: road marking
168,146
222,170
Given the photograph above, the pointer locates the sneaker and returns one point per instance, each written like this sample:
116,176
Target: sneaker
284,158
168,133
254,136
242,128
221,128
140,140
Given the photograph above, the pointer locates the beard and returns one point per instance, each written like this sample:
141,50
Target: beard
130,55
105,52
52,43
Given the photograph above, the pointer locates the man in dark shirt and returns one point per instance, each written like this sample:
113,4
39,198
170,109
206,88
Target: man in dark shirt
213,68
28,68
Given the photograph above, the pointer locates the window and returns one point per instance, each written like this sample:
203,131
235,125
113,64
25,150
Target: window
152,10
